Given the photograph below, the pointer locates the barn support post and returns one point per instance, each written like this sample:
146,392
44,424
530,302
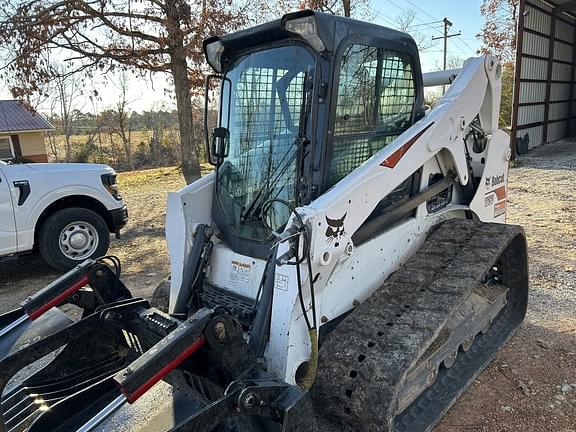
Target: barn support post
549,74
517,70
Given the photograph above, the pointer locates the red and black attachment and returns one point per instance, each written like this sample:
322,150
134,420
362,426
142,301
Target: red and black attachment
130,383
272,404
116,355
119,350
52,295
105,287
169,353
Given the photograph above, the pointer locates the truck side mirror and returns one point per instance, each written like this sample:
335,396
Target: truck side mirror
220,144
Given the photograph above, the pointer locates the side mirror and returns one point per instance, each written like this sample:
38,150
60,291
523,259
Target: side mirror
220,144
217,148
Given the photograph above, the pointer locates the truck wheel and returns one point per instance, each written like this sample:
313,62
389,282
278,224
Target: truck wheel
71,236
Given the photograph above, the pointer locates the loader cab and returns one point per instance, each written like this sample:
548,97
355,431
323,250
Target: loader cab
304,100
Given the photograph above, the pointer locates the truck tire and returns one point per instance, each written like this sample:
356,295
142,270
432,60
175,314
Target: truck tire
72,235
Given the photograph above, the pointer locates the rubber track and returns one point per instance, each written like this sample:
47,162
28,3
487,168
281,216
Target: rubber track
364,361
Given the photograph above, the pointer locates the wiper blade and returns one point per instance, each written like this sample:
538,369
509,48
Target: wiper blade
267,188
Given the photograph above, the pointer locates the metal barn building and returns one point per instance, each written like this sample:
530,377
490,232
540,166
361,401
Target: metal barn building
545,88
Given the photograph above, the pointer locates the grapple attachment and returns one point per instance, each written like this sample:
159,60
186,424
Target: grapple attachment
100,372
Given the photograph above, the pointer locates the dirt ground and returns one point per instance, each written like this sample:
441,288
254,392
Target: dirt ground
530,387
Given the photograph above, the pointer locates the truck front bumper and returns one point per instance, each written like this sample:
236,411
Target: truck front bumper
119,219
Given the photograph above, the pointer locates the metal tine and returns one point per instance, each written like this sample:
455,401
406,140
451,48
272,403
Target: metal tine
40,387
78,374
27,409
22,418
57,395
20,426
26,414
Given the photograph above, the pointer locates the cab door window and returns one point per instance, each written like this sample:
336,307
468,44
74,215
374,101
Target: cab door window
375,104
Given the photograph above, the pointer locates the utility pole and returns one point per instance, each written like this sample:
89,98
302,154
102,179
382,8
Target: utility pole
446,36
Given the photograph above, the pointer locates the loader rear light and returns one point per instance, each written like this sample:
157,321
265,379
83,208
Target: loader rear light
213,51
306,28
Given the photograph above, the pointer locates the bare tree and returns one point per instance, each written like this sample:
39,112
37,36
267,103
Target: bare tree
405,23
453,62
94,100
498,36
499,32
337,7
122,117
51,135
67,88
97,35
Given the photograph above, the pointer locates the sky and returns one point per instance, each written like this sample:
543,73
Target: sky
465,19
145,94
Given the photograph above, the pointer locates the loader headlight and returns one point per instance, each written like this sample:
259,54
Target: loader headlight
307,28
213,51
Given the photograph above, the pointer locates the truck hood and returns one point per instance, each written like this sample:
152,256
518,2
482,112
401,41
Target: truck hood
68,167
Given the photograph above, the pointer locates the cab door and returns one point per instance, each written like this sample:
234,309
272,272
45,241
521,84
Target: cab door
8,243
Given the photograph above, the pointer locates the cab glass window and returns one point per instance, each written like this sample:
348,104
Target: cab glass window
375,104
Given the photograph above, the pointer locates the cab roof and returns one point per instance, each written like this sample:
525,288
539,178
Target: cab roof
332,30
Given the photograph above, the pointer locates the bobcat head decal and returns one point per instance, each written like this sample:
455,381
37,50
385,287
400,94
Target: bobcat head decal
335,228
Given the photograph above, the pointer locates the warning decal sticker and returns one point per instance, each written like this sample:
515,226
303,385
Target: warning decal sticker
281,282
500,208
240,274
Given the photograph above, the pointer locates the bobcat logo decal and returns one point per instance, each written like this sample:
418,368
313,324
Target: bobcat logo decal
335,229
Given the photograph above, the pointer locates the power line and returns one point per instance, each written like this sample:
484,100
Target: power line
422,10
407,11
430,27
395,24
379,13
425,24
465,53
462,40
434,18
446,36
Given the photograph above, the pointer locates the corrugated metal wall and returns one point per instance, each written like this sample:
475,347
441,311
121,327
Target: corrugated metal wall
544,94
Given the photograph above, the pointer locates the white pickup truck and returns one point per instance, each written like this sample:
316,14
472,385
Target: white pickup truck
64,211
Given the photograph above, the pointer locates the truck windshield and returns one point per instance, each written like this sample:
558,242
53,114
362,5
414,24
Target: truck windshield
266,95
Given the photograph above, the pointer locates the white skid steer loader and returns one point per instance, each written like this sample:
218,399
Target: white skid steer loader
347,265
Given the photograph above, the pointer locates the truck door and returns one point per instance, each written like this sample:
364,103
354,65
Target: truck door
7,223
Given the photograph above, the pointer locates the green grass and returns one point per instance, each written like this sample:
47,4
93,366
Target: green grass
136,178
79,140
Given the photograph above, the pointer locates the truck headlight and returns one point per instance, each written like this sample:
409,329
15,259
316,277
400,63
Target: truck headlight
109,182
306,28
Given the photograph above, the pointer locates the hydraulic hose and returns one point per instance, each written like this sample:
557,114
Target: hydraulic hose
310,376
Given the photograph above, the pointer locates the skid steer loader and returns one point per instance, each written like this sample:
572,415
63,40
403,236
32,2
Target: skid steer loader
346,267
